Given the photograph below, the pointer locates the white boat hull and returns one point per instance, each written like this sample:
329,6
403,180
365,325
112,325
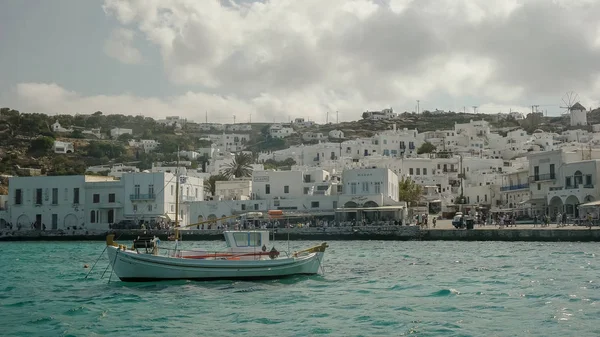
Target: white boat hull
137,267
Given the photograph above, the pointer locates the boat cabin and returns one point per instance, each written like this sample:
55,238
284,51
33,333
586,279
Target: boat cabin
247,241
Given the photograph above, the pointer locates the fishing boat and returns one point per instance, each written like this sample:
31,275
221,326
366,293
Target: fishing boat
247,257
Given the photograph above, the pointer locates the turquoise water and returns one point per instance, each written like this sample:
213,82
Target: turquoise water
369,289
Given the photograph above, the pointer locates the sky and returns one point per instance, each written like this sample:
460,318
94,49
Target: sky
272,61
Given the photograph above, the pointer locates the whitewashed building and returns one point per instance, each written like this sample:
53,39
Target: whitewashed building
280,131
56,127
116,132
63,147
94,202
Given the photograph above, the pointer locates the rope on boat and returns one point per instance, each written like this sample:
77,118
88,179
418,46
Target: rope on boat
98,259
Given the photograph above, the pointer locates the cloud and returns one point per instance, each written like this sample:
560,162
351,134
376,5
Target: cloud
119,46
372,53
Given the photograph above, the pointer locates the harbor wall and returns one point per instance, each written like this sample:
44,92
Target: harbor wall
398,233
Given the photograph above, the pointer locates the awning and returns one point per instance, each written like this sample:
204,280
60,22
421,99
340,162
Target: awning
369,209
591,204
534,201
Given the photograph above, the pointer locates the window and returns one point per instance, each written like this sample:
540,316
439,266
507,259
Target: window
485,197
352,188
18,196
55,196
588,180
96,198
314,204
111,197
365,186
411,171
339,188
149,208
38,196
76,195
93,216
54,221
151,190
306,189
136,190
243,207
268,189
256,207
196,193
135,208
111,215
539,186
567,182
424,171
536,173
377,187
552,173
286,189
418,171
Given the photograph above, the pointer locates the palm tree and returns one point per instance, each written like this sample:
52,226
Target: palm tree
210,184
239,167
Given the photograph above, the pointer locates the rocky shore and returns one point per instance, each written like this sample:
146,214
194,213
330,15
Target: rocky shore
399,233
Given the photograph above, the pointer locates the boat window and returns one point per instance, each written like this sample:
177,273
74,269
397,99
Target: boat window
241,239
254,239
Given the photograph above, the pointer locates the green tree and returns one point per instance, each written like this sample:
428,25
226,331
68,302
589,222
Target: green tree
125,138
77,134
210,184
409,191
426,147
41,145
239,167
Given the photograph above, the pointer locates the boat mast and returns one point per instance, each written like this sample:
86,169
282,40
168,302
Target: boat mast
177,198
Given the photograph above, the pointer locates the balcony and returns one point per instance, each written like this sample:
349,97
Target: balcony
542,177
188,198
142,197
514,187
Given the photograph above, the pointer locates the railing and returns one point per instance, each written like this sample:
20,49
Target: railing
142,196
542,177
514,187
556,188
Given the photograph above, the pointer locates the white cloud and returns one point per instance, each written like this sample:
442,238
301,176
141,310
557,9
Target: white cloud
307,57
119,46
290,58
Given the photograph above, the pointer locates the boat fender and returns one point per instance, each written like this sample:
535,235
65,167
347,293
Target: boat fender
264,248
273,253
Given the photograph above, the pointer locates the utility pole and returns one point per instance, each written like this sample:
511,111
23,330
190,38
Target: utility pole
464,109
250,118
327,118
474,109
206,117
418,106
337,118
233,119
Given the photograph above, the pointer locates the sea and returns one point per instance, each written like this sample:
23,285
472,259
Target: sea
367,288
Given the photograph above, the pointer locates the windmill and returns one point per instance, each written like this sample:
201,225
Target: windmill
568,100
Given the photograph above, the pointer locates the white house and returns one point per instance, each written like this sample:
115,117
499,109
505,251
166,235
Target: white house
233,190
56,127
292,184
336,134
94,202
63,147
148,145
384,114
371,181
302,123
313,136
116,132
280,131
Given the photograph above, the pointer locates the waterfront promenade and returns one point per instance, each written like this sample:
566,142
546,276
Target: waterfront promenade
444,231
